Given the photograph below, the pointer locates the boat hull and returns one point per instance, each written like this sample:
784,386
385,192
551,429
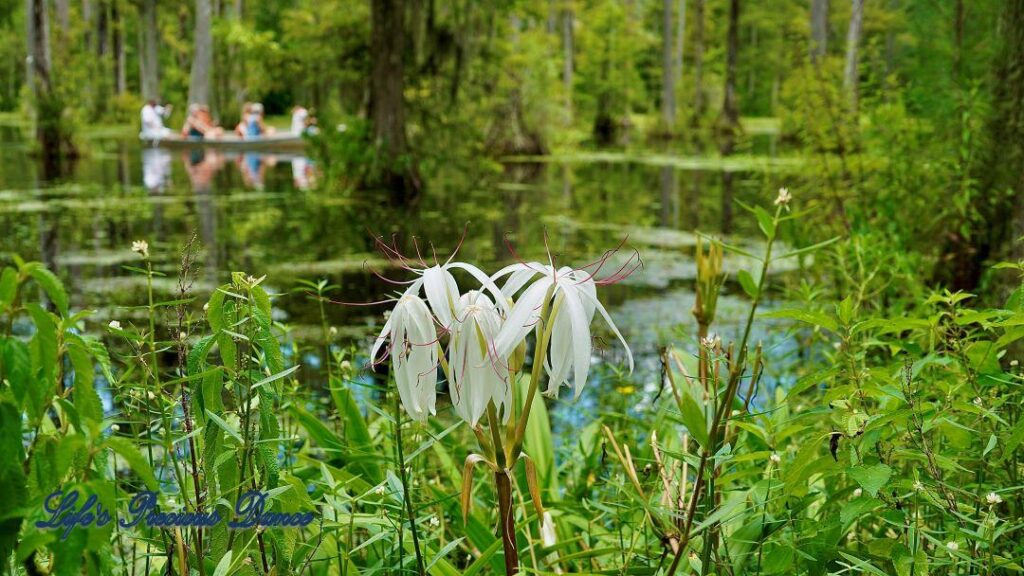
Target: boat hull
230,141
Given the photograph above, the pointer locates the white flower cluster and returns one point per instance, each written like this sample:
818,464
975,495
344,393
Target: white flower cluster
478,336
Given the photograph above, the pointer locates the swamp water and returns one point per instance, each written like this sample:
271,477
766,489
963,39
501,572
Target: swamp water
273,214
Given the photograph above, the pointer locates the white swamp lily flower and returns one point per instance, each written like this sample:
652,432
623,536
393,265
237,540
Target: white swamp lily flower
574,302
478,374
412,341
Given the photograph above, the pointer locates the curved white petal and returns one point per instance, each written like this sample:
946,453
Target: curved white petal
604,314
522,318
581,344
478,376
485,282
381,339
442,292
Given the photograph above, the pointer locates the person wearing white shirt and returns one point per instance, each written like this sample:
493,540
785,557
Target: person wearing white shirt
153,120
300,119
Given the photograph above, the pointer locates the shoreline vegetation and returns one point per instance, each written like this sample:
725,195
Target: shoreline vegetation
775,249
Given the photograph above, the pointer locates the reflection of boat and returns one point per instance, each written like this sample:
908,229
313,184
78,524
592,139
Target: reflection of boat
282,141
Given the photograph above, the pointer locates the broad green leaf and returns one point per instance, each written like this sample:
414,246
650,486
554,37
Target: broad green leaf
50,284
136,461
871,478
747,283
224,565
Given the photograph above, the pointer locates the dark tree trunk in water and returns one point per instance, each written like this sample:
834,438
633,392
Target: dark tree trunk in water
668,68
730,120
730,106
819,30
1008,128
202,56
51,136
149,62
117,30
387,106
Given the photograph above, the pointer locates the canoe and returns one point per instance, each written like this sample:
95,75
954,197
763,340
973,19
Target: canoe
281,141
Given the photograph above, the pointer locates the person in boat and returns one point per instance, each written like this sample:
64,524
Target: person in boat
153,115
253,126
240,127
199,124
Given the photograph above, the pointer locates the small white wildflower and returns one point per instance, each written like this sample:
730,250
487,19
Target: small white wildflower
114,325
775,458
993,499
434,521
381,490
346,365
182,336
1014,363
206,307
952,546
254,281
918,486
141,247
857,493
784,197
333,331
115,427
150,395
979,402
710,341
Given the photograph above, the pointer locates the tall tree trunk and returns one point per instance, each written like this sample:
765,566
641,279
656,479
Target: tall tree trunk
698,61
117,31
149,62
568,55
51,137
680,39
202,56
819,30
668,69
387,106
1006,158
851,76
730,106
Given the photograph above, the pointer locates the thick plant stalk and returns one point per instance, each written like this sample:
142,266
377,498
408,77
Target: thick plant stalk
506,521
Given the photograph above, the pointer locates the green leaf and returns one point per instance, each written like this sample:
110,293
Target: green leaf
807,249
136,461
50,284
8,287
856,508
811,317
747,283
871,478
223,425
224,565
87,401
12,478
765,221
992,440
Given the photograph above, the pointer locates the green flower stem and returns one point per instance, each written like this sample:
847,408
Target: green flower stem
539,356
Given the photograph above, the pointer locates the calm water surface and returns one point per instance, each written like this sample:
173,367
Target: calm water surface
273,214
